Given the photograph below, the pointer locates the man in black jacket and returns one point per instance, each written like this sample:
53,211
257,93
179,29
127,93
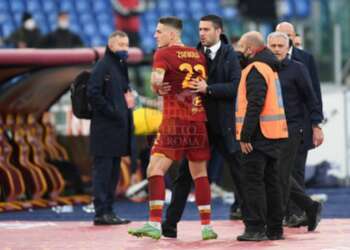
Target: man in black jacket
62,37
26,36
260,128
219,98
309,62
111,125
297,92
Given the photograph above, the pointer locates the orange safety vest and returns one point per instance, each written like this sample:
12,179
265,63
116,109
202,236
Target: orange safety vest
273,122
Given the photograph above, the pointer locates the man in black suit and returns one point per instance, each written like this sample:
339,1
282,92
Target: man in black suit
219,100
297,92
111,125
308,128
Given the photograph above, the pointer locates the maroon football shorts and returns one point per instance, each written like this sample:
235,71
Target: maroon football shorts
180,138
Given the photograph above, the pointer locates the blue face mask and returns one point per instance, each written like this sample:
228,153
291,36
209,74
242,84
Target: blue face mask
122,54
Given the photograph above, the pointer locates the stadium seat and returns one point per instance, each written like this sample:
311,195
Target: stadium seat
7,28
66,5
106,29
33,6
33,133
229,13
82,6
35,182
101,6
104,18
17,5
10,176
4,7
90,29
97,41
17,18
86,18
49,6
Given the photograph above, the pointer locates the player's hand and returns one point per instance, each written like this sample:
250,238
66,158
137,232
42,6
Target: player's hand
161,89
198,86
130,99
246,147
317,136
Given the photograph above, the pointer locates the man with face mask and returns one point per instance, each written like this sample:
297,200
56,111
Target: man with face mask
62,37
261,128
111,125
27,36
297,92
219,93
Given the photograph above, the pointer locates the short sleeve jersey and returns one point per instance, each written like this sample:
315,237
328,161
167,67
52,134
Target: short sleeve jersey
181,64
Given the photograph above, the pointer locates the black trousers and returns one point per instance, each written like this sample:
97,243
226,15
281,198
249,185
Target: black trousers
299,176
183,183
295,200
299,168
261,193
105,178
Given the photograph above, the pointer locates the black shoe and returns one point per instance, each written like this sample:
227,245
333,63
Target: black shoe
297,221
236,214
169,230
252,236
314,217
278,236
109,219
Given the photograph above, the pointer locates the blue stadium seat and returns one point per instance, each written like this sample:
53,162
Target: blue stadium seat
104,18
229,13
90,29
148,44
49,6
66,5
86,17
17,6
17,18
4,7
82,6
33,6
75,27
4,16
106,29
52,18
164,5
101,6
7,28
97,41
150,16
180,5
39,17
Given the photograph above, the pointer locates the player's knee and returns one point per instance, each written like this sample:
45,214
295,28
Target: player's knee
154,169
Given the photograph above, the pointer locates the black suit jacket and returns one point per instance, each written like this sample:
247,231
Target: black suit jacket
223,79
111,122
308,60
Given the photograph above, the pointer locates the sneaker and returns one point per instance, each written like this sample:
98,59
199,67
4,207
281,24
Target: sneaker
209,234
147,230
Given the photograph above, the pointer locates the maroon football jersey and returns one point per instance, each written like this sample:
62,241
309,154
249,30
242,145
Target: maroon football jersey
181,64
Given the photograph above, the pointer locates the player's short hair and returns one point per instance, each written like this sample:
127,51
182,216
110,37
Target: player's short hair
216,20
171,21
117,33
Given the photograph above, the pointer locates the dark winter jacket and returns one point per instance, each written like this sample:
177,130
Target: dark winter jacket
111,123
224,73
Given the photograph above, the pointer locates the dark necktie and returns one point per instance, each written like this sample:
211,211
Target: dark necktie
207,54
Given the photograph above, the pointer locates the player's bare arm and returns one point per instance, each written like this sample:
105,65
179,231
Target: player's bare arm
157,84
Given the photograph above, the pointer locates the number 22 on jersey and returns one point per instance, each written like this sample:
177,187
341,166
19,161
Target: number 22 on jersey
198,68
